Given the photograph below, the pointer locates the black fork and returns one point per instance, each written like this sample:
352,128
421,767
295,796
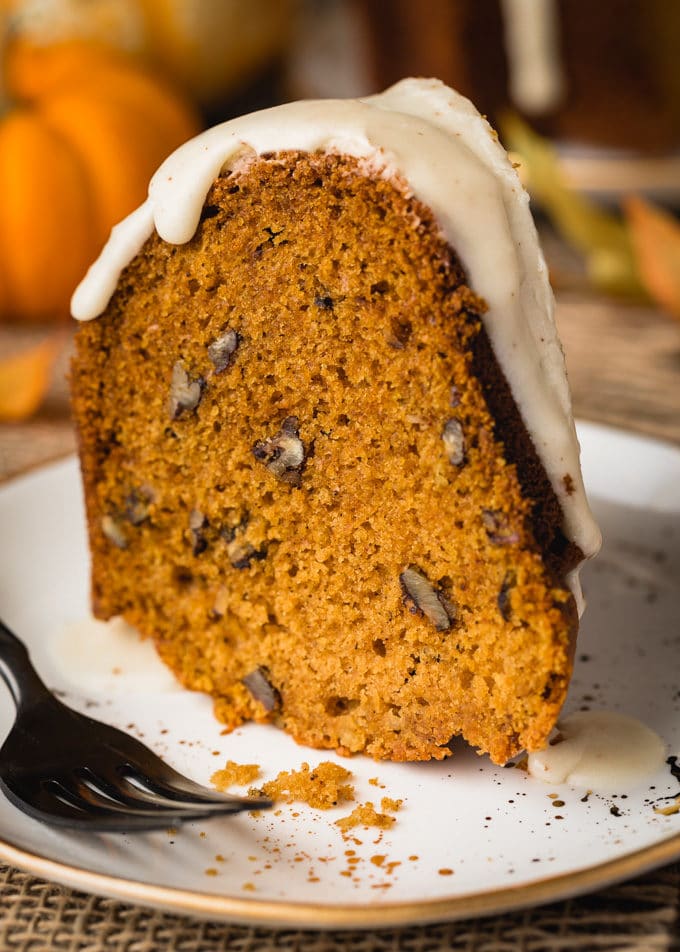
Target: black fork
68,769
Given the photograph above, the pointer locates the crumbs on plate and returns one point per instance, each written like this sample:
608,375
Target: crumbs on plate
234,775
365,814
322,787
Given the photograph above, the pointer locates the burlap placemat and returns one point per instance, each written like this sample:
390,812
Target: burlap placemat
639,916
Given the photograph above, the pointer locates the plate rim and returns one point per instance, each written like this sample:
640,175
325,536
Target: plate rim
328,916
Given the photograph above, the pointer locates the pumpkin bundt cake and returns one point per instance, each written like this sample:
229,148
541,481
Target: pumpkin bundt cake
329,460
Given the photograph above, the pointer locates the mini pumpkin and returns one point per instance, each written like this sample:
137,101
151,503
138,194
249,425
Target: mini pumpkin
212,48
84,131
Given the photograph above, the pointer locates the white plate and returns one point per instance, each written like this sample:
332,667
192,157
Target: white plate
496,830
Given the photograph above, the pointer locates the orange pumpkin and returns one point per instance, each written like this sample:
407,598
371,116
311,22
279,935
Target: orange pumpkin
214,48
85,131
209,47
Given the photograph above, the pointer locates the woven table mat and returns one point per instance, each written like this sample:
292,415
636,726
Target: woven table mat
638,916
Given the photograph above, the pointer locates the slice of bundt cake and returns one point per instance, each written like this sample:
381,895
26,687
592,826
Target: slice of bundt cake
327,447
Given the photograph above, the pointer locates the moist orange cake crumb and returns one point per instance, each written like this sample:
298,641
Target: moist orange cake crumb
387,803
234,774
306,475
275,519
366,815
321,787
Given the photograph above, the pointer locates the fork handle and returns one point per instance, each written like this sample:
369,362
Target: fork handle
18,672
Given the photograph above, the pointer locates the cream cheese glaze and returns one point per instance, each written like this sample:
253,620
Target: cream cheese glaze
600,750
436,142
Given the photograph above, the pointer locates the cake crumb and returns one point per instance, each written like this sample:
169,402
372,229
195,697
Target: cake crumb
234,775
387,803
321,787
365,815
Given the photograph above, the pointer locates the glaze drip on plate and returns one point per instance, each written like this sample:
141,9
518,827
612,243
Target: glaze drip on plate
599,750
109,659
435,140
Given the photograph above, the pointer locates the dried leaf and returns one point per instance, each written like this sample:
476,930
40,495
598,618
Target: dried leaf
655,234
24,379
596,233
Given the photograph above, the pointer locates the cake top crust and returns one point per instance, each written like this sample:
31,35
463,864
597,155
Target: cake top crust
437,143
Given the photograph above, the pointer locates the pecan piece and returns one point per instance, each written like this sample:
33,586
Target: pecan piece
284,453
454,441
422,597
401,333
221,602
503,599
137,503
223,349
113,531
498,528
185,393
241,553
197,523
261,689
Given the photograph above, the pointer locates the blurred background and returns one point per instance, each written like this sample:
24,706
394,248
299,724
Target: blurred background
586,95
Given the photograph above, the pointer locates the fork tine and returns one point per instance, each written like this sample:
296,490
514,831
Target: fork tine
94,796
180,789
53,802
129,788
80,797
96,812
145,771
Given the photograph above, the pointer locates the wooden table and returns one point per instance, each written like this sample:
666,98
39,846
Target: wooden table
623,362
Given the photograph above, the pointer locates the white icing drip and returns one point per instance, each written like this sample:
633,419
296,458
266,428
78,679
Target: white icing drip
437,142
94,293
601,751
573,582
537,82
109,659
